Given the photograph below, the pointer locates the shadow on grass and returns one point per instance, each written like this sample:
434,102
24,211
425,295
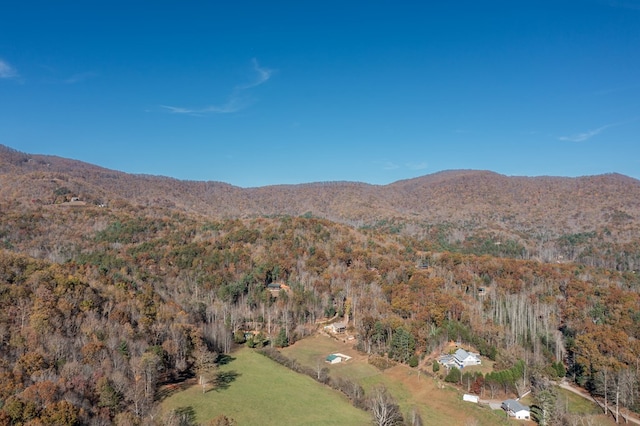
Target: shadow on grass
184,416
223,379
224,359
178,385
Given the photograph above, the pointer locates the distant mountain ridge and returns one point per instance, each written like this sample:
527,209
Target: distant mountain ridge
479,200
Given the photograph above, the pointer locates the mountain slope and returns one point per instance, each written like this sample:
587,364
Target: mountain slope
523,209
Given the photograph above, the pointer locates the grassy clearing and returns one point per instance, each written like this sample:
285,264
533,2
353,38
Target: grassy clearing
581,408
261,391
266,393
437,405
575,404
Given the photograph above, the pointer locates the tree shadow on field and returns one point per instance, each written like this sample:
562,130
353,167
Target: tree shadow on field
223,379
174,386
184,416
224,359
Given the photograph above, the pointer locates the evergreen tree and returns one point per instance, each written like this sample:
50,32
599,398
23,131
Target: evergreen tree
544,408
453,376
403,345
282,341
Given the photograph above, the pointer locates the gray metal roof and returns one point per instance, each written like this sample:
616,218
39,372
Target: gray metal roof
513,405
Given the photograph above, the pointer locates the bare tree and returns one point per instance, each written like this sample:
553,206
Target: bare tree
625,388
322,372
146,370
384,408
602,385
413,418
205,365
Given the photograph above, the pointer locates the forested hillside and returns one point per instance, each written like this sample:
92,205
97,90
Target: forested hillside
111,284
593,220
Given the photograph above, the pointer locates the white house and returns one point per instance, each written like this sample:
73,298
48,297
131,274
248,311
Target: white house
516,409
337,327
464,359
460,359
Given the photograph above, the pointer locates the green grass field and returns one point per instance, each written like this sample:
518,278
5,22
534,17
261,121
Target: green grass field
263,392
575,404
436,405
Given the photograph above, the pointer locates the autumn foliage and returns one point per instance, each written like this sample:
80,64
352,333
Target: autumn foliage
103,304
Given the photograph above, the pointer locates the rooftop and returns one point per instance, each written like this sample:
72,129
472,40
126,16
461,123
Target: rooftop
513,405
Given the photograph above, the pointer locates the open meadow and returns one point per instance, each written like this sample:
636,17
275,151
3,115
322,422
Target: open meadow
262,392
437,402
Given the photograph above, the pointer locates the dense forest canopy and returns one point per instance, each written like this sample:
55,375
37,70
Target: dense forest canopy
107,291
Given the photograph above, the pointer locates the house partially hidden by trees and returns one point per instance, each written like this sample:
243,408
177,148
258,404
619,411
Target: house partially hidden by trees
516,409
275,287
337,327
460,359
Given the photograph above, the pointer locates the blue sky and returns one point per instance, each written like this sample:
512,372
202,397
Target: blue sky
257,93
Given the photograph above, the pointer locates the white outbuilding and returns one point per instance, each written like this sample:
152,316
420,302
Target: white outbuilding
516,409
471,398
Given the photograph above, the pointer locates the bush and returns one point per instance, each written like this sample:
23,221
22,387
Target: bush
413,361
239,337
282,341
380,362
453,376
559,369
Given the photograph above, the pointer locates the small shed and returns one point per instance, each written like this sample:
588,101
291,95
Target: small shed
471,398
333,359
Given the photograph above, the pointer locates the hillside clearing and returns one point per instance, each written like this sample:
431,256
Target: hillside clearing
436,404
267,393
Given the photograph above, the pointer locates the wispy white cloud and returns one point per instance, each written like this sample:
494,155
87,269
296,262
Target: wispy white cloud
234,104
6,70
388,165
237,100
262,75
179,110
581,137
80,77
417,166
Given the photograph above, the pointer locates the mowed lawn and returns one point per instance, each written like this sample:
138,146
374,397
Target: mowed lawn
263,392
576,404
437,404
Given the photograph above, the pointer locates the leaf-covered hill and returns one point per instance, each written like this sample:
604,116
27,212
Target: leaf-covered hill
549,218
